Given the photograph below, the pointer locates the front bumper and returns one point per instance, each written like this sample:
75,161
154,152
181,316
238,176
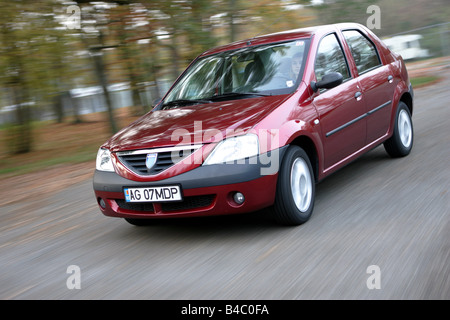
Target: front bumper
207,190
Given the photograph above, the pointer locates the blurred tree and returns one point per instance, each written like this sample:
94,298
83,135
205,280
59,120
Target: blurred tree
232,10
168,17
248,19
95,19
58,65
35,64
183,28
403,15
400,16
198,27
26,29
15,80
274,16
124,25
336,11
188,27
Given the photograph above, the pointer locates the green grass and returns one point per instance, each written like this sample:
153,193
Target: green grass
53,145
56,144
13,170
423,81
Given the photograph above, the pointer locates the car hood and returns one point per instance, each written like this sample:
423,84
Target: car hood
195,124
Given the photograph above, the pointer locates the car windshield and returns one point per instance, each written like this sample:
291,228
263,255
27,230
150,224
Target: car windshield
252,71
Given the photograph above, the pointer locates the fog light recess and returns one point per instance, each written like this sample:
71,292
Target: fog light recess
102,203
238,198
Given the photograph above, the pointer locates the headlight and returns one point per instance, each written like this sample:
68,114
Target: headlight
233,149
104,162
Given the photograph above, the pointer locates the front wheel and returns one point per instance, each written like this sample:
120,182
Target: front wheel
401,142
294,199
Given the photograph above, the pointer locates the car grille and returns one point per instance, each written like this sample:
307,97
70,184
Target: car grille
188,203
165,158
135,206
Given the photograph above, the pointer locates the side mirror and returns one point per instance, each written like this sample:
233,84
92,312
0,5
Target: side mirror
330,80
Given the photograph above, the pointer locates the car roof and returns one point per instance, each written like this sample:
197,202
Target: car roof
302,33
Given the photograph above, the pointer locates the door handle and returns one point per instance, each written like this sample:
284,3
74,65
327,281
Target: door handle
390,79
358,95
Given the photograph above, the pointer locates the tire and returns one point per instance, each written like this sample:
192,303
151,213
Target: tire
139,222
401,142
294,198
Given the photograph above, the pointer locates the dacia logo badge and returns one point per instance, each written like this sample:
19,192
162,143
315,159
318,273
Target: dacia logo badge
151,160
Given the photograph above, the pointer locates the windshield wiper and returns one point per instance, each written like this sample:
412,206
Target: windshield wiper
184,102
211,99
238,94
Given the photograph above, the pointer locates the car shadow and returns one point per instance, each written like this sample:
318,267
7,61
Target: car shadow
358,169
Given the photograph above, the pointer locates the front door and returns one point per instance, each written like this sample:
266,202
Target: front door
341,109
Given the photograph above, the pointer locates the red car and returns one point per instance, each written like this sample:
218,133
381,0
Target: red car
256,124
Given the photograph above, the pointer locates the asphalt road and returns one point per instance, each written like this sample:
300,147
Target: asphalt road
390,213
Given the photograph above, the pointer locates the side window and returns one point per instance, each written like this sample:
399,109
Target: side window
330,58
363,51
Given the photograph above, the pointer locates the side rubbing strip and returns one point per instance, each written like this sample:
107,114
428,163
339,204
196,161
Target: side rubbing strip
359,118
346,125
379,107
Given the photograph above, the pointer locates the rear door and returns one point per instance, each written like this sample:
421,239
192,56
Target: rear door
376,82
341,109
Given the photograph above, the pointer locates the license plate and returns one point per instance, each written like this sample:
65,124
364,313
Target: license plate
153,194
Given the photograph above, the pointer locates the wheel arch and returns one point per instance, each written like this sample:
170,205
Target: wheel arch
308,145
401,94
408,100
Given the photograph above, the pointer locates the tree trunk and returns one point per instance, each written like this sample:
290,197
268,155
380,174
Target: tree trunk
21,135
231,13
58,107
127,56
100,71
175,58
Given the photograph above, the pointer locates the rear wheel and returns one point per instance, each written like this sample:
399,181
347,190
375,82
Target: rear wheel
294,199
401,142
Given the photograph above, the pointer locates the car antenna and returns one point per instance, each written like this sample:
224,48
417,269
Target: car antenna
249,41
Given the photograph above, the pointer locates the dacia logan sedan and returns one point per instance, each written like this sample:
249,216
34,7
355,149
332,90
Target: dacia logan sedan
256,124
